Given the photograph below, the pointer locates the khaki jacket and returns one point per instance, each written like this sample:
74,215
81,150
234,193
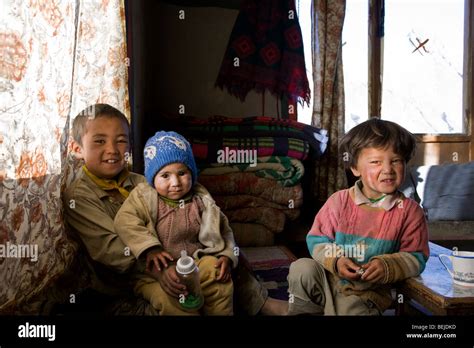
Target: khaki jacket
90,213
136,220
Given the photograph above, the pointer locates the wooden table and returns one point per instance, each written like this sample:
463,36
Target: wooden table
434,289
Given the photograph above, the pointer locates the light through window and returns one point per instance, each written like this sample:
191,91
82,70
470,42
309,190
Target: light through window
354,61
423,65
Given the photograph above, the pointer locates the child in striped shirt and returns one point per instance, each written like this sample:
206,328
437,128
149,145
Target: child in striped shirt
366,237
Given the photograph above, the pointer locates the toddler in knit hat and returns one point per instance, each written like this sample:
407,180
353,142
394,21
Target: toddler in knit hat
171,213
166,148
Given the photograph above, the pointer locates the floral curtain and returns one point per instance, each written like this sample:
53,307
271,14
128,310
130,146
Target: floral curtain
56,57
328,106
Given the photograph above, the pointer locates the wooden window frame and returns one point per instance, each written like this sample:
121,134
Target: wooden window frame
375,61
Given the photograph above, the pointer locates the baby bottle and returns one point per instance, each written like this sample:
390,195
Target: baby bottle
188,273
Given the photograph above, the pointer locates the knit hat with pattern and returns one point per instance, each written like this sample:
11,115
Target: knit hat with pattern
165,148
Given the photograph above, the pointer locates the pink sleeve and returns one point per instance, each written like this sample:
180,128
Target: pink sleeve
325,222
414,237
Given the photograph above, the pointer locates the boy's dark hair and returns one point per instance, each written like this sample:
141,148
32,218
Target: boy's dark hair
379,134
91,112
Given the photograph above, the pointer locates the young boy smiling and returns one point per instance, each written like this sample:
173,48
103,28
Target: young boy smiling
101,140
372,217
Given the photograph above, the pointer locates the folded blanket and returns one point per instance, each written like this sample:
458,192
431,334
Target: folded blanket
219,127
285,170
207,149
235,202
273,219
247,234
249,184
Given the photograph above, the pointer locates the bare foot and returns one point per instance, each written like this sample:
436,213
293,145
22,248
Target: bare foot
272,306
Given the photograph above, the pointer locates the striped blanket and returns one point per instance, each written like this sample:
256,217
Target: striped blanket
249,184
207,149
271,266
237,201
269,136
285,170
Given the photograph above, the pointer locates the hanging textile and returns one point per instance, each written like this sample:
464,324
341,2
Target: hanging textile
265,52
328,106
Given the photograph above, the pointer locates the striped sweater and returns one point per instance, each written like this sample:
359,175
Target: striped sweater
393,230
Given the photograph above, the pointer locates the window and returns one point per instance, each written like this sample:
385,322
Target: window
354,62
423,65
418,72
303,10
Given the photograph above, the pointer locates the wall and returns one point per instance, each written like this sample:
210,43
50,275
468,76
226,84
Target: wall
431,153
184,57
175,62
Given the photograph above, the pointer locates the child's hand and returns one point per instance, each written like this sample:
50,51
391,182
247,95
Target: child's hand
154,257
346,268
374,271
169,281
224,273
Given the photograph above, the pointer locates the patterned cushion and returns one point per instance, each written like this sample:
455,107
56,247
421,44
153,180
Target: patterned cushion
271,266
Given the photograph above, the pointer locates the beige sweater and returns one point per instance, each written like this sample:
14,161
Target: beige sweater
136,220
